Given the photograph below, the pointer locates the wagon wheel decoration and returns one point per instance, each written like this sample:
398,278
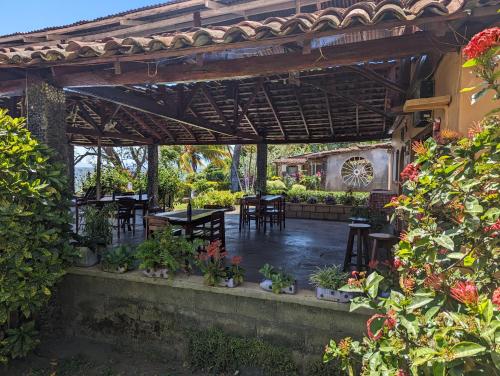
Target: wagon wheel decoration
357,172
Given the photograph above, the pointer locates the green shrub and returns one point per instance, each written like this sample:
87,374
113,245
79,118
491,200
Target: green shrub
169,183
341,198
215,352
113,180
276,187
298,188
216,198
34,249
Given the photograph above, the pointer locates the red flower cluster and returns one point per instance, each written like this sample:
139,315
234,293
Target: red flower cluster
482,42
214,250
397,263
494,229
465,292
434,281
410,172
236,260
496,297
401,373
389,323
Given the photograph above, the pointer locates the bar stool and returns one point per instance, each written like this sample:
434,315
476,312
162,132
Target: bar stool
359,231
384,241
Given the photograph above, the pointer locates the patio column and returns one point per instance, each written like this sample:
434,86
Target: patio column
71,168
153,173
260,185
46,119
98,170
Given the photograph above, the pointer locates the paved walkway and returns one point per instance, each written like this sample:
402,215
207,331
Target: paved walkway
299,248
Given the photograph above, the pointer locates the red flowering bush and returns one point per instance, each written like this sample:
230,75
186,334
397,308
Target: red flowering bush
212,263
442,314
483,54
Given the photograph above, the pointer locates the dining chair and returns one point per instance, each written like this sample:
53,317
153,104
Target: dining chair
213,230
126,213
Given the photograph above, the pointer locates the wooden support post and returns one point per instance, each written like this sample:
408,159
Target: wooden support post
153,174
98,192
261,168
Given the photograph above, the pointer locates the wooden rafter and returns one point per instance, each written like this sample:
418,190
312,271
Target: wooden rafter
162,127
148,105
143,124
329,110
113,135
374,76
210,98
351,99
249,102
273,109
301,110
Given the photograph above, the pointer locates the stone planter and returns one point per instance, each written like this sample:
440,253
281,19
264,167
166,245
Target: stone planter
334,295
156,272
320,211
267,285
87,257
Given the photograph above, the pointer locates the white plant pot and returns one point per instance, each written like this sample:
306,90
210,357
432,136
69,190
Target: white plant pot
267,285
334,295
115,269
156,273
87,257
228,282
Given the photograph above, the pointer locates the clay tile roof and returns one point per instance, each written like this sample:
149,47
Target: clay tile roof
367,13
291,160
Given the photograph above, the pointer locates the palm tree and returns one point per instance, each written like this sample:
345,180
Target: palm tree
194,156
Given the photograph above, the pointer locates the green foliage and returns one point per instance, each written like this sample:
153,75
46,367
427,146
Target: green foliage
118,257
280,279
443,318
113,179
165,250
216,353
311,182
276,187
98,228
298,188
34,217
216,198
169,183
340,198
329,277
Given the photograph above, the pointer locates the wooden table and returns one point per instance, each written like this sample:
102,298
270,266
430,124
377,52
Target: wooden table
180,218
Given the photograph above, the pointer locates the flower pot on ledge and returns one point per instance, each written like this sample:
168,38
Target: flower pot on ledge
156,272
114,268
334,295
267,285
228,282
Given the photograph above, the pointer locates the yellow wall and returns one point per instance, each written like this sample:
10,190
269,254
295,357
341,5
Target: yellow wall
460,115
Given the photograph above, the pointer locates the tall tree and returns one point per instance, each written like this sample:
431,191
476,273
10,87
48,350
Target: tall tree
194,156
235,165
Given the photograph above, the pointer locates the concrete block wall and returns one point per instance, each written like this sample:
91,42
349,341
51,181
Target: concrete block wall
130,308
319,211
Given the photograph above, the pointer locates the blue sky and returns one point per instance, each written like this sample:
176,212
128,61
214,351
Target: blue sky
28,15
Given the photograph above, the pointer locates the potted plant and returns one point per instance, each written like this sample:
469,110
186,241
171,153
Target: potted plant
84,255
212,263
328,280
98,228
277,280
166,253
118,259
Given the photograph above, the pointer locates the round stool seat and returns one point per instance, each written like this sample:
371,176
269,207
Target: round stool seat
359,219
360,225
382,236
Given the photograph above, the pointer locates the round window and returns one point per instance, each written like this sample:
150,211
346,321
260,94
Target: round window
357,172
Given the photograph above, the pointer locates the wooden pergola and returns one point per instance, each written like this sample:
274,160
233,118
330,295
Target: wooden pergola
226,72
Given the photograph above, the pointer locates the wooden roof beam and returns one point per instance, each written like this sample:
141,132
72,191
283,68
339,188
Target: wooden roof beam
145,104
249,102
356,101
301,110
374,76
210,98
273,109
113,135
329,110
143,124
